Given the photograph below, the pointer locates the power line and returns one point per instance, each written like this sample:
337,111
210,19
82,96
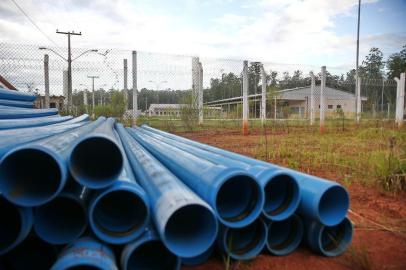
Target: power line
33,23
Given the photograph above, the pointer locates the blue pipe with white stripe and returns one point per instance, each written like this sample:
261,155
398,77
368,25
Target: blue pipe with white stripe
15,113
213,182
185,223
22,177
17,103
322,200
96,160
282,192
16,95
32,122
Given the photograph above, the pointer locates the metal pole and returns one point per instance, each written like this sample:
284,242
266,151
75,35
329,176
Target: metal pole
125,85
358,99
275,110
245,98
322,101
357,88
135,91
383,87
313,85
263,96
46,77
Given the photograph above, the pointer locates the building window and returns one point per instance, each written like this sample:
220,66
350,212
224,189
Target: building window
338,106
52,105
330,106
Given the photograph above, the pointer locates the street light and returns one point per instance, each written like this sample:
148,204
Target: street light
69,60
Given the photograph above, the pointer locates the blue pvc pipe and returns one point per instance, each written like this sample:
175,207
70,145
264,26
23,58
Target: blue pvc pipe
243,243
119,213
97,160
15,224
32,122
16,95
282,192
17,103
214,183
200,259
185,223
148,253
329,241
284,236
14,113
86,253
33,174
12,138
64,219
79,119
323,200
32,253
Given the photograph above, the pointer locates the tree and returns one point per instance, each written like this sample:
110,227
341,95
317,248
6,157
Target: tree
396,63
372,66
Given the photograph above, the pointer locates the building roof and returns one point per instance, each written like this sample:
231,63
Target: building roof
301,93
155,106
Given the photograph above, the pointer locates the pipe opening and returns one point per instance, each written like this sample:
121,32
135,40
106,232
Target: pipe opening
281,196
237,198
145,257
32,252
247,240
120,213
190,230
84,267
10,225
60,221
284,236
96,162
335,239
333,205
23,178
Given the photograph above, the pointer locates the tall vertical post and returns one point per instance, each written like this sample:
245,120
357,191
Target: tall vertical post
200,94
358,106
46,78
275,109
322,98
263,95
245,98
195,84
125,84
135,90
65,89
69,76
312,103
400,99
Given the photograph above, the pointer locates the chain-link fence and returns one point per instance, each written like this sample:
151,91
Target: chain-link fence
164,82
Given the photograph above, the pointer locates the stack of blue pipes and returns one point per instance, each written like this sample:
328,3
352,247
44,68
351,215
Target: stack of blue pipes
81,194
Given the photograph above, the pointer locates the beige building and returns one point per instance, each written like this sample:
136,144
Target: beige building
298,101
54,102
175,110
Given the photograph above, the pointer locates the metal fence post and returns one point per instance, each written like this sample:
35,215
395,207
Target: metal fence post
125,85
46,78
400,99
135,91
263,96
358,99
245,98
65,89
322,101
313,85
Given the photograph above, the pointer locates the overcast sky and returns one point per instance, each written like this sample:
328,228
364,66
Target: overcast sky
313,32
297,32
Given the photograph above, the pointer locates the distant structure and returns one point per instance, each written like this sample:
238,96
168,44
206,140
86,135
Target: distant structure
175,110
54,102
298,100
6,84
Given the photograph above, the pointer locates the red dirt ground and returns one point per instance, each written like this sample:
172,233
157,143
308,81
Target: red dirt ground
380,224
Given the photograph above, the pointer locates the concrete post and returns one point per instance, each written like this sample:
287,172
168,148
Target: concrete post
46,78
322,98
245,98
65,89
312,103
400,99
263,95
195,84
275,110
358,99
125,84
200,94
135,90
